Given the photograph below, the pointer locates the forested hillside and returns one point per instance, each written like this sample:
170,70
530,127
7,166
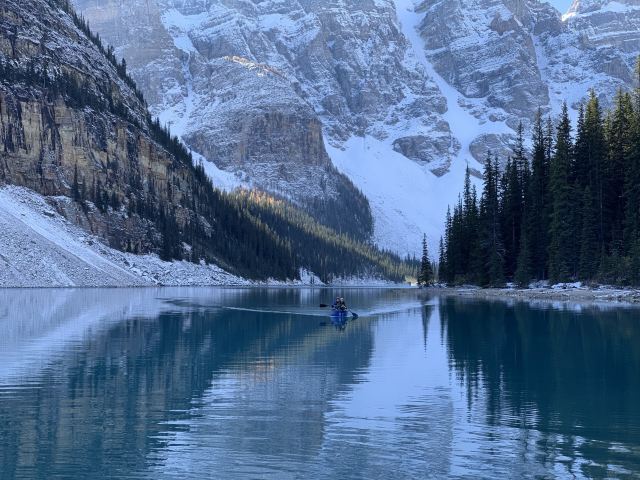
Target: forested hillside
568,211
74,124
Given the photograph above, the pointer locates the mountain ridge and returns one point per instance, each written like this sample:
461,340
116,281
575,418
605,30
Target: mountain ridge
76,132
429,83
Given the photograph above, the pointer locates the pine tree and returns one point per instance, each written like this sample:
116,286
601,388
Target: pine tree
595,162
476,254
442,263
457,243
447,274
619,140
511,213
538,201
425,276
562,229
470,228
491,235
589,246
521,159
632,179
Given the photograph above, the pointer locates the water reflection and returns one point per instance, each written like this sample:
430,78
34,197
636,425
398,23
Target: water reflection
197,383
567,382
116,374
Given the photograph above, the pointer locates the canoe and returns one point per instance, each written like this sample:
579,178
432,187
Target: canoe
342,314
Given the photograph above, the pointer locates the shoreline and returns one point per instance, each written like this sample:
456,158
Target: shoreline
584,295
234,286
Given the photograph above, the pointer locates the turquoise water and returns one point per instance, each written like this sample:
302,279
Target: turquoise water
259,383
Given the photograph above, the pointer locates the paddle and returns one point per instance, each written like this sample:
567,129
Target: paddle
355,315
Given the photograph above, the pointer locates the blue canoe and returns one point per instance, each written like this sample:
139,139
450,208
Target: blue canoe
342,314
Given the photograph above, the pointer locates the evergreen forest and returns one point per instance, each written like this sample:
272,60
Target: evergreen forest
568,210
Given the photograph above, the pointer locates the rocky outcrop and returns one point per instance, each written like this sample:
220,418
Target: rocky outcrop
49,146
517,55
485,49
310,56
610,29
247,84
72,126
232,96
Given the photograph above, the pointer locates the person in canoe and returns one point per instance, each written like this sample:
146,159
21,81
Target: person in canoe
340,305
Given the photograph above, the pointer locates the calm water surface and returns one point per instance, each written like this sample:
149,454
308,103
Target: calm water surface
214,383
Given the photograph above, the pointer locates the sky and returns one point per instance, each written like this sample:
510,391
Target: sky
562,5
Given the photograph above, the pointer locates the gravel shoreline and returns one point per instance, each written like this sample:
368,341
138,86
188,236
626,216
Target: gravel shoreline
555,294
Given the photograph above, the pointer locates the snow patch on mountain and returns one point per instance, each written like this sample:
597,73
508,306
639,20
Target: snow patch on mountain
465,127
406,198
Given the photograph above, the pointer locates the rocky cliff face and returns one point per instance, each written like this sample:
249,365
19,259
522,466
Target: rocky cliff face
47,145
50,144
610,30
486,50
313,57
220,78
267,89
513,56
72,125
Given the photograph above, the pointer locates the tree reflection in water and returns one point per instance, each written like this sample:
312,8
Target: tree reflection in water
573,376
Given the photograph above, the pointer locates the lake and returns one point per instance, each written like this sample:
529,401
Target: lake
260,383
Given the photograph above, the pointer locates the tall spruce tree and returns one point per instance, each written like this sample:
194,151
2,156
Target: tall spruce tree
619,137
562,228
631,222
476,261
442,263
595,162
490,227
537,205
470,233
632,179
425,277
511,213
457,246
445,267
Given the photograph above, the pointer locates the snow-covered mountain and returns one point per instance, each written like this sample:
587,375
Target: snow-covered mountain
399,95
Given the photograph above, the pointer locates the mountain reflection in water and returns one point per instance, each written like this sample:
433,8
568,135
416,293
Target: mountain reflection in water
224,383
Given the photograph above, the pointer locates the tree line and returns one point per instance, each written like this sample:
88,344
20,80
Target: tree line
81,23
568,210
319,248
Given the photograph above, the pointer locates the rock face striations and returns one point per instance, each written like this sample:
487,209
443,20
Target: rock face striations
610,32
223,79
277,91
225,64
73,125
